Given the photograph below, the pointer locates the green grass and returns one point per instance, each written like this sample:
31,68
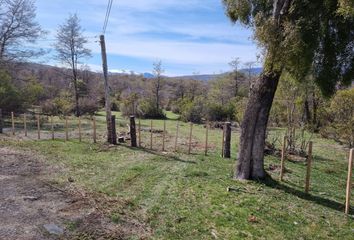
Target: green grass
184,196
171,115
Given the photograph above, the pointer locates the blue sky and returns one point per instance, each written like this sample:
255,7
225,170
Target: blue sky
190,36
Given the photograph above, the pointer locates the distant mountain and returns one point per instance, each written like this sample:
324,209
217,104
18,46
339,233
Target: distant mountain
254,71
203,77
209,77
126,72
148,75
123,72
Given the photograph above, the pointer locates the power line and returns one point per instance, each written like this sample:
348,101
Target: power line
108,12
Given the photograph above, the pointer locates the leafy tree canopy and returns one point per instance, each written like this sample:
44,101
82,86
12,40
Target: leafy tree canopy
10,98
302,37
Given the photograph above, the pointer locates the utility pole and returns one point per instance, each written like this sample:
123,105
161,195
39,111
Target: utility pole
106,91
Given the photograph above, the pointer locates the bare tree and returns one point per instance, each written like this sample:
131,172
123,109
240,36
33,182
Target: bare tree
70,47
157,83
18,27
194,88
2,4
249,67
235,67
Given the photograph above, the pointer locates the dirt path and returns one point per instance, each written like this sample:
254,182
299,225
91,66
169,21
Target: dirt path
31,208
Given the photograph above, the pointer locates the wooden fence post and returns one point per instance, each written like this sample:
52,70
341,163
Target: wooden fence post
176,139
227,141
80,137
52,126
139,130
66,129
151,135
308,171
206,138
132,132
163,135
349,180
38,127
190,138
1,121
114,131
222,140
13,123
94,129
282,161
25,123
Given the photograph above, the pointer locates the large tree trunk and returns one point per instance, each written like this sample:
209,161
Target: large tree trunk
253,129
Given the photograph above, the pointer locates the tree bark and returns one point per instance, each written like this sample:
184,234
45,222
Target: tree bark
227,140
306,112
253,128
314,109
133,132
77,106
114,132
158,94
76,90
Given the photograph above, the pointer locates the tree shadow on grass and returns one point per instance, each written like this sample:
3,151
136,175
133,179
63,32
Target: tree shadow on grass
300,194
168,157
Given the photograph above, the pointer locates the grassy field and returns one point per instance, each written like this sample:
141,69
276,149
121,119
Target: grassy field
181,196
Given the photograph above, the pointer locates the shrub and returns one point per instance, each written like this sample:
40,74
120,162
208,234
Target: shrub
147,109
240,107
10,97
62,105
49,107
218,112
215,112
192,111
88,106
278,114
128,106
115,105
340,125
33,90
176,106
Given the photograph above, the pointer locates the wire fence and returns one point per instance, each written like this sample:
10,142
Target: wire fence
156,135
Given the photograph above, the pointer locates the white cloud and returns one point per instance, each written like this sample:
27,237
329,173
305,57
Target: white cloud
178,51
153,5
150,29
214,31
